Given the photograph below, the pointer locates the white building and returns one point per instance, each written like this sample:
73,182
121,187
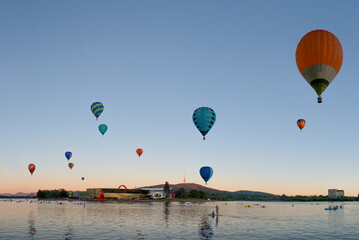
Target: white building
335,193
155,193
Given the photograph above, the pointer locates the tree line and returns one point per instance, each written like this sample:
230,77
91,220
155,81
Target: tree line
56,193
195,194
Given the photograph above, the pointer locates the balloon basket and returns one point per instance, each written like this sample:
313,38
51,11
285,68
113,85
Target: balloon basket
320,99
204,138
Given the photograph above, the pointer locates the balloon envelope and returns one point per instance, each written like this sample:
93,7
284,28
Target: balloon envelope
206,173
82,178
31,168
68,155
204,118
301,124
97,109
319,57
139,152
102,128
71,165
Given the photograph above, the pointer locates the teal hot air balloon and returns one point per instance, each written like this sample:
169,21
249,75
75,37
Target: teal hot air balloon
206,173
102,128
97,109
204,118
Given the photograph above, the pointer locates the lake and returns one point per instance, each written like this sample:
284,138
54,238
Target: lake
163,220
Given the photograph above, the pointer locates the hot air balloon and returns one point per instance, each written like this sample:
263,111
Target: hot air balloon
97,109
319,58
82,178
301,124
139,152
31,168
206,173
204,118
68,155
102,128
71,165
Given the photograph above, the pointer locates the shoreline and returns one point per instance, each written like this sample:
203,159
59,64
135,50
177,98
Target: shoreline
164,200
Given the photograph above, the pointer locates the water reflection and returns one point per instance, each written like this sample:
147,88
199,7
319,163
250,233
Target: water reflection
32,230
205,229
173,220
140,236
68,233
166,211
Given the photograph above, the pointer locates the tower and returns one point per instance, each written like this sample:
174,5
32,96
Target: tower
184,179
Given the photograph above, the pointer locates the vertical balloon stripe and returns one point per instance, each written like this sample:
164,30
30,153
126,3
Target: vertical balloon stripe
71,165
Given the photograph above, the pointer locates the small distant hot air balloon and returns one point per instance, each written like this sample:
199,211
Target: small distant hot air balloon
319,58
68,155
301,124
204,118
139,152
206,173
97,109
102,128
31,168
71,165
82,178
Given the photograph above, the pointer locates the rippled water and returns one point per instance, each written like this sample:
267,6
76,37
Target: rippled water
163,220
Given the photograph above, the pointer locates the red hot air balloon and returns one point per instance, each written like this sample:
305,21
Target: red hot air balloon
71,165
31,168
139,152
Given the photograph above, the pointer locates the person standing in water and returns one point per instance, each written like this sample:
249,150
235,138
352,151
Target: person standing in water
217,209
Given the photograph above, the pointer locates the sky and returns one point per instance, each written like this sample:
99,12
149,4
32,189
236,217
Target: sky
152,63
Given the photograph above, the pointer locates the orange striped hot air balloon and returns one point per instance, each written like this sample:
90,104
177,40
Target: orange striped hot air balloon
319,58
139,152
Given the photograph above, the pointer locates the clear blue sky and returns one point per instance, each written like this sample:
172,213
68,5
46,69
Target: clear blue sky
152,63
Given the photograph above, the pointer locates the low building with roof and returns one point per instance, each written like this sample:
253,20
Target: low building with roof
118,193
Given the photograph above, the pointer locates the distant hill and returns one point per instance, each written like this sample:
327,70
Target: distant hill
245,192
19,194
193,186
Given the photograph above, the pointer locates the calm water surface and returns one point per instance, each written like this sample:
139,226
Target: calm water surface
160,220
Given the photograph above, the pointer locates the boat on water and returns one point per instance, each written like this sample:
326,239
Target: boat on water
336,207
